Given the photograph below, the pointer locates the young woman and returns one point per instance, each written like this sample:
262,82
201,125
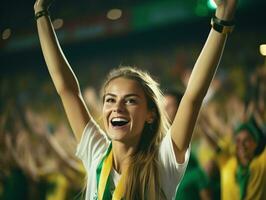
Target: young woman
139,156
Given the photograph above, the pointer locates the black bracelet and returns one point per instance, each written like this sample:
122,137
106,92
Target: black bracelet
223,22
41,13
222,26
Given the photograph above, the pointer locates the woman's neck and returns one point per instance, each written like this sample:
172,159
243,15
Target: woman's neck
121,155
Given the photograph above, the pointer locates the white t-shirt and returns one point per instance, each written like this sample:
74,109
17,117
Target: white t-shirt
94,144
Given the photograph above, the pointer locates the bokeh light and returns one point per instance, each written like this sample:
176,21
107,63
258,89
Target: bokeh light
114,14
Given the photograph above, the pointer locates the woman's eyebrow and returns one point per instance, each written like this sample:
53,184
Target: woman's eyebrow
132,95
109,94
126,96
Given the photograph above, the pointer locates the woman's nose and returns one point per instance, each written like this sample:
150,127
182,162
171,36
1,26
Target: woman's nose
119,106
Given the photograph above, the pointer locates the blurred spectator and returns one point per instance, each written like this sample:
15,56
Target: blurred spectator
244,175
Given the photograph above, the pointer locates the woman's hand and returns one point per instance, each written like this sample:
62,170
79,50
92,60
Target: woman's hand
42,5
225,9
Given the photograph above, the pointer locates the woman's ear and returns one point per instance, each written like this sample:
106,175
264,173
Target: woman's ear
151,116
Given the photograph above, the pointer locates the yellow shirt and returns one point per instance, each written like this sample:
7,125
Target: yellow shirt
257,183
229,187
256,188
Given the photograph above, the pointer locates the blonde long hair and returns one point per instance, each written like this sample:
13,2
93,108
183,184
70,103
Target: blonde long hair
143,181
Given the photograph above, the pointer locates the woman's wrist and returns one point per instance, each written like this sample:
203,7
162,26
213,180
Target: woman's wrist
41,13
222,26
223,20
39,9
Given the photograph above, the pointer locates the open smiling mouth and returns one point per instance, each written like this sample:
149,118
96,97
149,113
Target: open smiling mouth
119,122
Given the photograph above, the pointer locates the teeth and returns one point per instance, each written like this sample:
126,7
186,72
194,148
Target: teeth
118,119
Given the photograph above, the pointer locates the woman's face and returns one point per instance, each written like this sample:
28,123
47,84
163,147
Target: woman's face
125,110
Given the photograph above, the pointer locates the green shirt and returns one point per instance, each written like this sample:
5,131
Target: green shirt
193,181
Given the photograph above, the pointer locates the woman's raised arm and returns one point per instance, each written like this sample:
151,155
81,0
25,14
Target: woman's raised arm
63,77
201,77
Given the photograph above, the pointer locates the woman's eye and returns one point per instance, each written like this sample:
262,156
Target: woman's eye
109,100
131,101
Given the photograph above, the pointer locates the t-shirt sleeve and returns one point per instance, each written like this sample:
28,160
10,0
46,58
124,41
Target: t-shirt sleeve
93,143
171,172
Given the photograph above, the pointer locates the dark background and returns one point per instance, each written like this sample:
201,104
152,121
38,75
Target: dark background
162,44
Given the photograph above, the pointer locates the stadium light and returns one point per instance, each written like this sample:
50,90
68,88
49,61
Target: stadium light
114,14
6,34
263,49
